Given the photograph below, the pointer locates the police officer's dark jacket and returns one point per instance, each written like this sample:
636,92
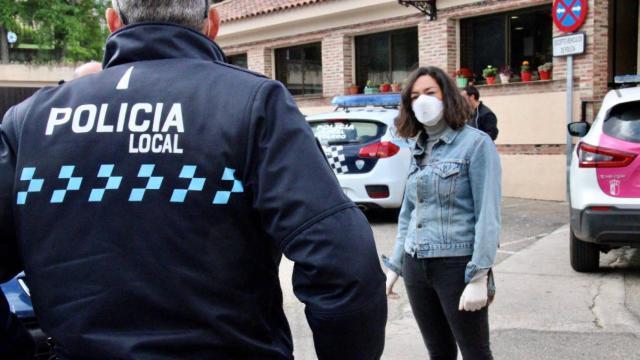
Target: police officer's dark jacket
150,205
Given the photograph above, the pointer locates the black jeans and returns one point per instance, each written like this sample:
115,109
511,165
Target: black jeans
434,286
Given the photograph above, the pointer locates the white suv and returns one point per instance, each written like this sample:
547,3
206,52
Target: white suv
605,180
370,162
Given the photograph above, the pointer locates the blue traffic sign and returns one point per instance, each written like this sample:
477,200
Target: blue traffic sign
12,37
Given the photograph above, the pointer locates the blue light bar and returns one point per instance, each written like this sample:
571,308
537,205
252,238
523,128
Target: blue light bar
366,100
627,79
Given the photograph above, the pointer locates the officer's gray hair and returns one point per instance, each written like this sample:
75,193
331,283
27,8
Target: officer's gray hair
189,13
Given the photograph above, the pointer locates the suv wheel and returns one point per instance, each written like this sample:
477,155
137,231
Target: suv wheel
585,257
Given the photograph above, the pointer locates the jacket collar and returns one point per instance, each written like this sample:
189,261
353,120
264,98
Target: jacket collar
421,140
156,41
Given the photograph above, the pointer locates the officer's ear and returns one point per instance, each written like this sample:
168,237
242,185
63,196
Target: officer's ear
212,24
113,20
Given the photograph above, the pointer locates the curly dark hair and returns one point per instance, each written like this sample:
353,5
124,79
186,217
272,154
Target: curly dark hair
456,110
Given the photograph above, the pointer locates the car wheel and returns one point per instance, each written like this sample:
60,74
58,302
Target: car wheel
585,257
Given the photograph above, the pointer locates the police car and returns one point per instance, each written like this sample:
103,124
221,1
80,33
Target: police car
605,178
369,160
19,298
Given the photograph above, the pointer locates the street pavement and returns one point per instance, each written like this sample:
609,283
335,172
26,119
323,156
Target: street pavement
543,309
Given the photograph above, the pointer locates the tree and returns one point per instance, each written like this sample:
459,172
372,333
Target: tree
74,29
9,10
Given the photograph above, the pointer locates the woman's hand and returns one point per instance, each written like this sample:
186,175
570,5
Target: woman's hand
392,277
475,295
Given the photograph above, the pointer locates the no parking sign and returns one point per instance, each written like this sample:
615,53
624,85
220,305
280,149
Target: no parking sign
569,15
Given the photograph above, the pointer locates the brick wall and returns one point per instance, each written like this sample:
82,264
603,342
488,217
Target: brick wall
259,59
337,65
437,43
438,46
590,69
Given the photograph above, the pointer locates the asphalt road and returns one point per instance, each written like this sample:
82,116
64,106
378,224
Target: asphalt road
524,223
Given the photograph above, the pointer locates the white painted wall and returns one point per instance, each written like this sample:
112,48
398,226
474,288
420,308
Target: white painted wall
317,17
33,76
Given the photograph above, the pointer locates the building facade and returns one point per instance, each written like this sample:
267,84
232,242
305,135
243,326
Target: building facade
319,48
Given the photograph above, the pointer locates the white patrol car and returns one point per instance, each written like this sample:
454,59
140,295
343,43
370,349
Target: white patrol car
604,179
370,162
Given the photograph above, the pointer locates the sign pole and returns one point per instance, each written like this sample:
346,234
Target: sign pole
569,16
569,118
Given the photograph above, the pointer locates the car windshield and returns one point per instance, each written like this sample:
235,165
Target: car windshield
623,122
340,131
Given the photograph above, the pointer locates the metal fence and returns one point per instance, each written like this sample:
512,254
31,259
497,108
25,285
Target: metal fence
10,96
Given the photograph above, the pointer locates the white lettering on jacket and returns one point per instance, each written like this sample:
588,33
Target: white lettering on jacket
155,123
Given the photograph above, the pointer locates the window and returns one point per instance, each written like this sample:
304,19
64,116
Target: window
386,57
507,39
300,69
238,60
624,122
340,132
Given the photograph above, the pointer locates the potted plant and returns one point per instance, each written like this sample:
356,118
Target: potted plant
354,89
371,88
525,71
489,73
396,87
545,71
462,77
505,74
385,87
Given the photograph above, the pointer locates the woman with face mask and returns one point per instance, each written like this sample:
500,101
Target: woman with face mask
449,224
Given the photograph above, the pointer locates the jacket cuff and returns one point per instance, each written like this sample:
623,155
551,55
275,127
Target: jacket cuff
397,268
471,271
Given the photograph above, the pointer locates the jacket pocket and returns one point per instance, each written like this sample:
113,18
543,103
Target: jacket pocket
446,172
446,176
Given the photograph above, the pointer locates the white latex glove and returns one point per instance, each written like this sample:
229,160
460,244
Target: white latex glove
392,277
475,294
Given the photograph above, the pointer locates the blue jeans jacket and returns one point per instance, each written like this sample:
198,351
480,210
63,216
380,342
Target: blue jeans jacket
451,206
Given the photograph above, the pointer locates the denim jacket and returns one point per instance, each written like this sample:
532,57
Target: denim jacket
451,206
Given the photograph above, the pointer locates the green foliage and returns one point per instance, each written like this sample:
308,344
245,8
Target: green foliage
9,10
489,71
74,29
545,67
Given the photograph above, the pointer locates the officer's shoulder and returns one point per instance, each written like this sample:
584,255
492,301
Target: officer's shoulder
241,69
24,105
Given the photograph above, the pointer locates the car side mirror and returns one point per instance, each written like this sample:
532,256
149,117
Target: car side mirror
579,129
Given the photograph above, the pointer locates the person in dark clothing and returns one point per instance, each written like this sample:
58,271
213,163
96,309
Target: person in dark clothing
150,204
483,118
15,340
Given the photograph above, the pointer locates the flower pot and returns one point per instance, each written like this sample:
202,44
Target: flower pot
545,75
354,90
396,88
491,80
462,82
371,90
525,76
384,88
504,78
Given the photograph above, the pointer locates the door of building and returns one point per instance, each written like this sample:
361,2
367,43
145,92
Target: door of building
623,37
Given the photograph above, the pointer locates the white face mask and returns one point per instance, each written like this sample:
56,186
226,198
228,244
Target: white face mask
428,110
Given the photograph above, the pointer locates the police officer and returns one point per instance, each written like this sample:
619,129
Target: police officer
150,205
